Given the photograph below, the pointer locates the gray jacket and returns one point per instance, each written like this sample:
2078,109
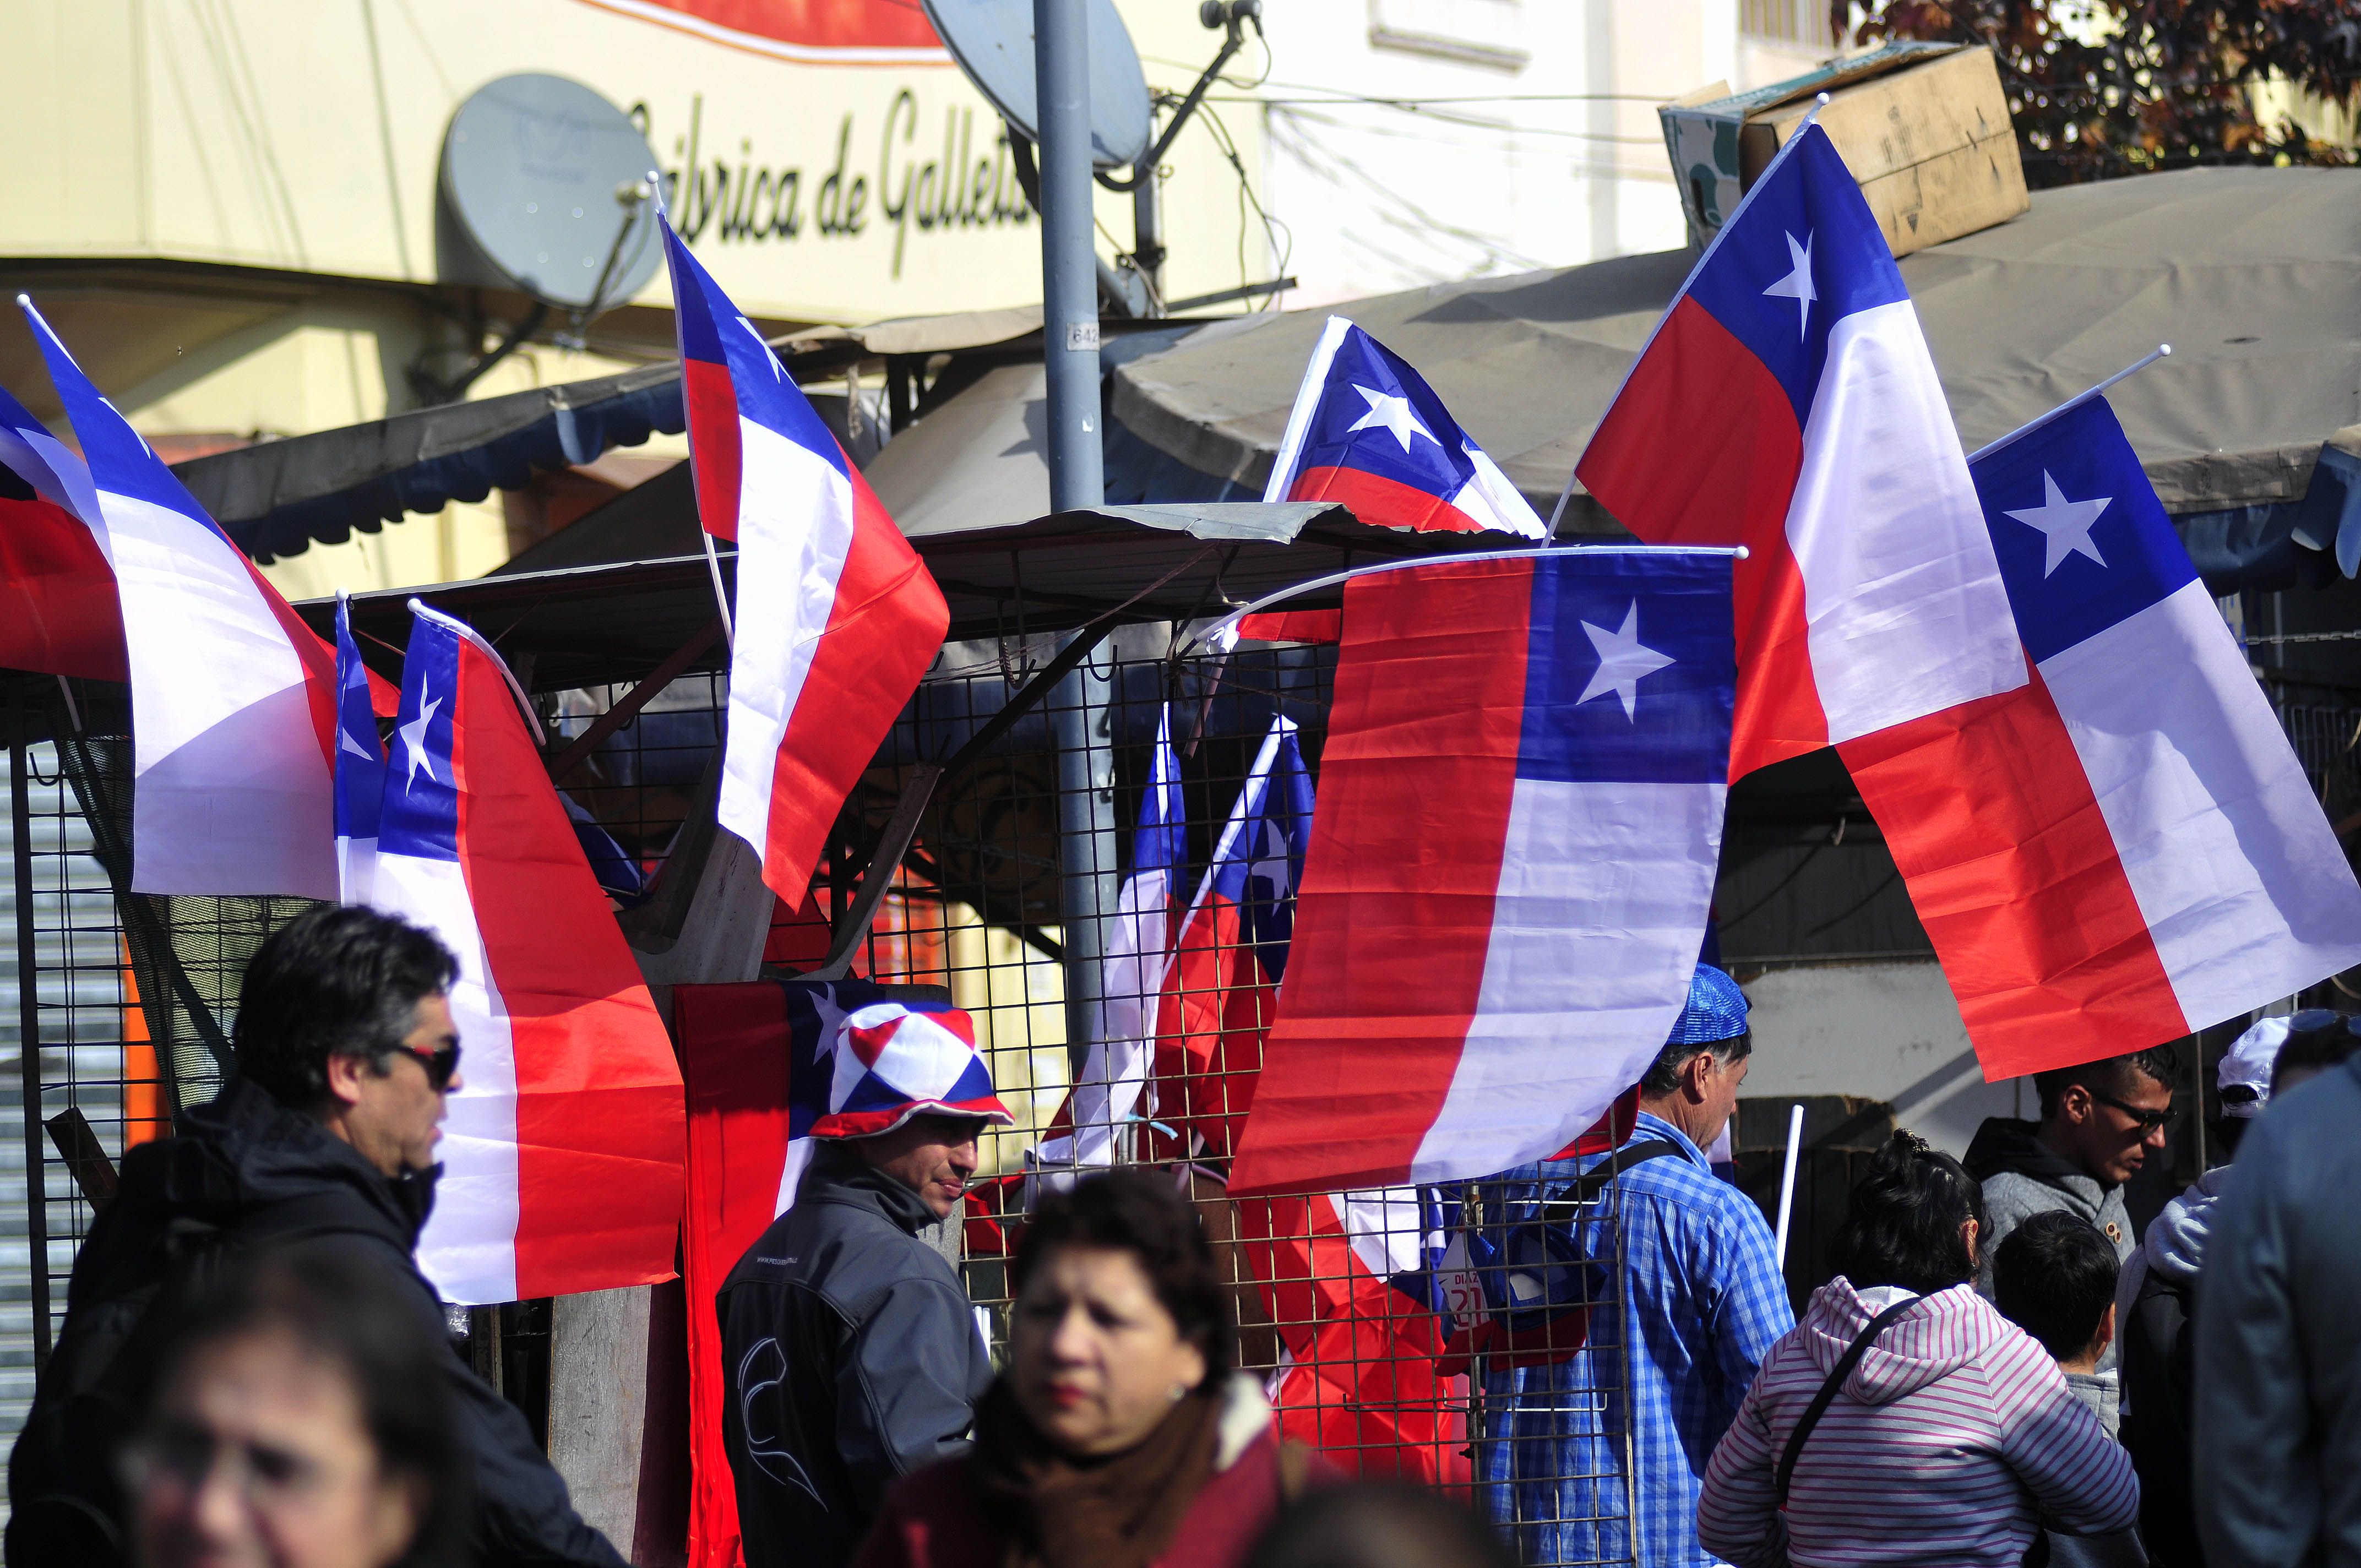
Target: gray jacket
2276,1443
851,1357
2023,1177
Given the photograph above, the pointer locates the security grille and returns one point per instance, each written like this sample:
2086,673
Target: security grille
1337,1294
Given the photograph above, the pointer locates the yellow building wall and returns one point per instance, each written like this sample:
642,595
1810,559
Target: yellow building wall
307,139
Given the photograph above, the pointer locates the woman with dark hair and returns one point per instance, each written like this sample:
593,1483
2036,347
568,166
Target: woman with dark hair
1118,1436
295,1419
1905,1421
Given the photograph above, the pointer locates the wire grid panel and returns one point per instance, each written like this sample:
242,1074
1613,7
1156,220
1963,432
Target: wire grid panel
1469,1336
131,994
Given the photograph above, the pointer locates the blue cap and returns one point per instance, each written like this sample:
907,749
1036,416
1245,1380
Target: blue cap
1717,1010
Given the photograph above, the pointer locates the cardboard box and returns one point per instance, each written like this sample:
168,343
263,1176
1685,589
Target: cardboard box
1923,126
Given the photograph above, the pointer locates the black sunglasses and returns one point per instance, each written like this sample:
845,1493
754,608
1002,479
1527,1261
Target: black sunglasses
2149,1121
439,1065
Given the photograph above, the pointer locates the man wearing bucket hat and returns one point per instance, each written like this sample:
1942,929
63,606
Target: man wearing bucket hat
850,1347
1698,1299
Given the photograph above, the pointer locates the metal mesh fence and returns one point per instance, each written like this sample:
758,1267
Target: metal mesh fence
1471,1336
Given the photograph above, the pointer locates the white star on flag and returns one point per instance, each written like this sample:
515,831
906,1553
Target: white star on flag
348,742
1391,413
1269,864
1623,662
2065,525
1797,284
831,1020
778,372
413,738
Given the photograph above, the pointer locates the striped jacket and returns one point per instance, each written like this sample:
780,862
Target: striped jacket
1953,1436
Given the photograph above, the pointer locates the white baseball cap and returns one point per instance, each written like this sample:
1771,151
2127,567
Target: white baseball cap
2244,1077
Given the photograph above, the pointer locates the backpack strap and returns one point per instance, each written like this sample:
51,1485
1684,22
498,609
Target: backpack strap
1826,1396
1591,1183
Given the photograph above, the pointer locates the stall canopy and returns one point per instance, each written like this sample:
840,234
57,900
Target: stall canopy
2253,276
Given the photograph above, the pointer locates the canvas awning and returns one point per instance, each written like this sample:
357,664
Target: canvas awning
2253,276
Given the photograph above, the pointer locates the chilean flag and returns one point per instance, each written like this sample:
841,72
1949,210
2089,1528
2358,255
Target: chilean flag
1088,1128
562,1156
1519,826
360,767
1787,402
765,1072
59,614
2125,850
1367,431
1221,989
1348,1280
233,697
837,617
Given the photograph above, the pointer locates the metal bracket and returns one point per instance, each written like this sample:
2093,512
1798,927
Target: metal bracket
918,789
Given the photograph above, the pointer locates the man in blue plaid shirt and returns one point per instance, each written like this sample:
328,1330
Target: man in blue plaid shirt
1697,1300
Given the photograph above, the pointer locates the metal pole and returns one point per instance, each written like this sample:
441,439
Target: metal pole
29,1016
1787,1179
1069,286
1086,840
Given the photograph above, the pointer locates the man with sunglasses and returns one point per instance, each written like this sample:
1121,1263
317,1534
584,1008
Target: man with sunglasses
345,1052
2099,1123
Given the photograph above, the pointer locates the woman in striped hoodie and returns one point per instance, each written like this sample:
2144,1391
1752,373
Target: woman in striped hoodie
1953,1436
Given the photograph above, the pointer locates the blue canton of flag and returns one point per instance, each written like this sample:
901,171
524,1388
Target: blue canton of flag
1368,431
2083,542
1260,860
360,767
419,816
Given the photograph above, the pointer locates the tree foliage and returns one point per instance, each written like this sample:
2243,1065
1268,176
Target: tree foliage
2101,88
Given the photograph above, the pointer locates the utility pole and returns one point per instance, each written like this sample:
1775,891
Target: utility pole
1069,347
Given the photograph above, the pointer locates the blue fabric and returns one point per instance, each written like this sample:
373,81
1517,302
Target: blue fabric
1699,1301
1716,1010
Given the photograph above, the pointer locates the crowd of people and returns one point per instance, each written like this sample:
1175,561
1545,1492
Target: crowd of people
253,1371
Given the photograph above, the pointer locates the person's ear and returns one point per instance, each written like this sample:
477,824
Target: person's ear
1697,1076
1971,1236
2106,1334
345,1074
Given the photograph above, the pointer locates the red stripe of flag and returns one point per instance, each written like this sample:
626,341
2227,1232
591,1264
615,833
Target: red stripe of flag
733,1055
711,402
2020,888
1676,469
885,628
1402,872
59,614
1381,502
598,1119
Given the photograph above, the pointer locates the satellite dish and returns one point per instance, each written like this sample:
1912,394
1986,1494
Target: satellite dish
542,190
992,41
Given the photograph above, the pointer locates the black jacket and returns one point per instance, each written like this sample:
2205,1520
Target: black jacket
245,1170
2159,1387
851,1357
2277,1429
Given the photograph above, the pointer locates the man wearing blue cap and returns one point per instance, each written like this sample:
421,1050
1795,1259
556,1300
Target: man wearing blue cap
1688,1298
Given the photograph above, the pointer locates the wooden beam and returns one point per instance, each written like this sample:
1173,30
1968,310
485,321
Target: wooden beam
638,697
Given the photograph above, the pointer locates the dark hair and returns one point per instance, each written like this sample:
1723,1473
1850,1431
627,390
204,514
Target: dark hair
1378,1525
1902,1225
333,982
2054,1276
1663,1075
2317,1041
1141,1212
369,1324
2108,1075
